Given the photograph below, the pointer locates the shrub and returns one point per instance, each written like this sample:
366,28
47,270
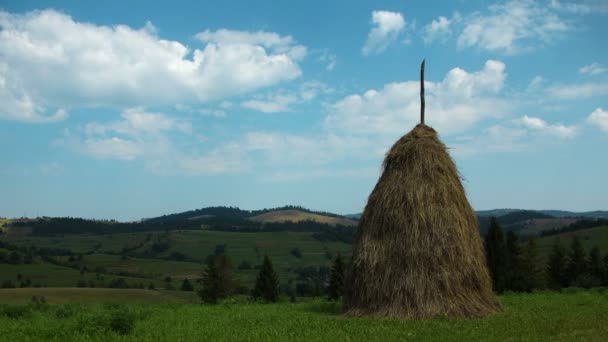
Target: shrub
586,281
16,311
186,286
66,311
244,265
122,322
296,253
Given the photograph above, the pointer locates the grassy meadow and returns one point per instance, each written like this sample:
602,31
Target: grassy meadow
103,251
575,315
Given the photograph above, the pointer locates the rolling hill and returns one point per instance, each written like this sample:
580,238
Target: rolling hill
294,215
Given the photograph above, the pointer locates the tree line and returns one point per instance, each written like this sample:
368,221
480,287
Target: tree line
218,281
515,267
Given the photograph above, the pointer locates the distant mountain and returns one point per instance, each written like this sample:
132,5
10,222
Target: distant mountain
586,214
294,215
553,213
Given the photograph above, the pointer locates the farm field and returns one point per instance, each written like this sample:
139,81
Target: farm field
575,315
104,251
63,295
597,236
195,245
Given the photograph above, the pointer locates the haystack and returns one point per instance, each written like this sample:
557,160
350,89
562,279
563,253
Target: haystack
418,252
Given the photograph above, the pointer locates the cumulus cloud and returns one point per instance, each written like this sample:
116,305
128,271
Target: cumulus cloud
599,118
541,126
386,29
148,137
51,63
453,104
593,69
440,28
578,91
329,58
581,7
282,101
272,104
513,27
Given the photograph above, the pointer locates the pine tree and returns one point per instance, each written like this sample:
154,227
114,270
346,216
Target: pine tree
209,293
557,268
605,271
217,279
595,263
533,267
577,265
186,286
267,283
336,281
496,253
513,276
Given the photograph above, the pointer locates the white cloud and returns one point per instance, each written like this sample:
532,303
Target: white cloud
280,148
599,118
137,121
111,148
513,27
329,58
577,91
270,40
386,28
540,125
440,28
272,104
495,138
144,136
51,63
457,102
218,113
593,69
536,82
581,7
282,101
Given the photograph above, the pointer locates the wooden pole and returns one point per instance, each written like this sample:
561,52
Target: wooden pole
422,93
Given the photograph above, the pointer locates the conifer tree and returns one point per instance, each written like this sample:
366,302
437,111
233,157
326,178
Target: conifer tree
186,286
217,279
496,253
533,268
595,263
336,281
513,275
210,292
267,283
557,268
605,271
577,265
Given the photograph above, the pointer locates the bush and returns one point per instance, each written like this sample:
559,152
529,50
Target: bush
15,311
66,311
244,265
8,284
113,317
586,281
122,322
296,253
186,285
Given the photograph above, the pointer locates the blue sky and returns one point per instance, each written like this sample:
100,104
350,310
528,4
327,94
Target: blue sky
135,109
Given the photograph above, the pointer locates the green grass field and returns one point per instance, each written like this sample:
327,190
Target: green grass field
59,295
591,237
51,275
546,316
195,244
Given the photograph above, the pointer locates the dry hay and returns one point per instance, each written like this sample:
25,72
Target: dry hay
417,252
